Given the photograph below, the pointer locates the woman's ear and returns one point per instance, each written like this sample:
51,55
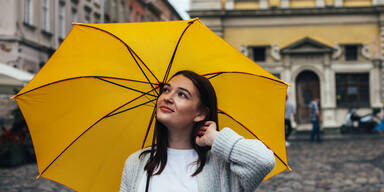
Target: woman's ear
202,114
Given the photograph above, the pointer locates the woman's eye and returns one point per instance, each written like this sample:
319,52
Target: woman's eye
181,94
165,89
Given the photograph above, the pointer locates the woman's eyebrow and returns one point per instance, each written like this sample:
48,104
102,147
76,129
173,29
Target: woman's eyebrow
186,90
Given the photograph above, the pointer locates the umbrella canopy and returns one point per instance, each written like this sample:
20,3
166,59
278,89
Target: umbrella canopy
89,107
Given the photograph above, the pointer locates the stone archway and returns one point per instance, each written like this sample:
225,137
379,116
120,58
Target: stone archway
307,88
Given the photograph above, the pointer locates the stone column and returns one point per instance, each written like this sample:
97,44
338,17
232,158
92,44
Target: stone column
380,63
377,2
284,3
329,104
230,4
263,4
376,84
320,3
338,3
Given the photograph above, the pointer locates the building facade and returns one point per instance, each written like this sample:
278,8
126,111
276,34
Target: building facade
31,30
331,49
139,11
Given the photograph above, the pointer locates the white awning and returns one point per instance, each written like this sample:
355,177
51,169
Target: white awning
12,79
15,73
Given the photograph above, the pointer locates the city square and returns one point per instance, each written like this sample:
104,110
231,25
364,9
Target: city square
346,163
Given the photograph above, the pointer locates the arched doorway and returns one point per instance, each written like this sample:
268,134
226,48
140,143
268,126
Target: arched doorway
307,88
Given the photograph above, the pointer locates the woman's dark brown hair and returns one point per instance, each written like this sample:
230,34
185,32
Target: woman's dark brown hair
208,100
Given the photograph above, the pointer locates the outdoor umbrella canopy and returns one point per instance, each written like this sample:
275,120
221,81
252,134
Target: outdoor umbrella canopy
92,103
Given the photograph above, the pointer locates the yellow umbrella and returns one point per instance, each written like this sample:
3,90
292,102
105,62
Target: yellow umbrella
89,107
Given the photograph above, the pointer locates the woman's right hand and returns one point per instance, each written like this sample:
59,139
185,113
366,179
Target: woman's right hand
207,134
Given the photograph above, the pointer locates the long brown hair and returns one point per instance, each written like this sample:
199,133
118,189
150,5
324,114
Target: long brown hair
208,100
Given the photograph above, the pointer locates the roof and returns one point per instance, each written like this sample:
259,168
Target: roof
307,44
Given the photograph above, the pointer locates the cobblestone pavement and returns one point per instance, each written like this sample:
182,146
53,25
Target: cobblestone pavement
353,165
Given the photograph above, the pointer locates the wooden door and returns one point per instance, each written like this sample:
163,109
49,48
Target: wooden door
307,88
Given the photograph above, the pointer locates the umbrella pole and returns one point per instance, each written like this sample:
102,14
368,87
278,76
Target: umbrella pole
149,174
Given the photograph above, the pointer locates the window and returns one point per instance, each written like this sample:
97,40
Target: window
97,18
28,14
351,52
259,53
114,10
130,14
46,15
106,5
122,11
87,16
74,15
138,17
61,21
352,90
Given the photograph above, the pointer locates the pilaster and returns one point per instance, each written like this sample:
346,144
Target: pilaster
379,61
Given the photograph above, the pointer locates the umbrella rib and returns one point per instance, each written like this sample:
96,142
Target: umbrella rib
222,112
144,65
90,128
59,81
110,115
213,76
149,127
130,50
174,52
124,86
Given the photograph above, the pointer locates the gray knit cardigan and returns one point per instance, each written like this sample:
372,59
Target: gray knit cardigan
233,164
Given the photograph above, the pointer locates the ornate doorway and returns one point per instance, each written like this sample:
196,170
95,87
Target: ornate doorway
307,88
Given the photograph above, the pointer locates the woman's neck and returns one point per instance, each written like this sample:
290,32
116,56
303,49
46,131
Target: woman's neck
179,138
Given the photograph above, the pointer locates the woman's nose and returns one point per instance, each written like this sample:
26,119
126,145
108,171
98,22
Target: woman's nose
169,98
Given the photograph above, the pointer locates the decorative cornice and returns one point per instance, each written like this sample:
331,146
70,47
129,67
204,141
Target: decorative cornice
288,12
26,42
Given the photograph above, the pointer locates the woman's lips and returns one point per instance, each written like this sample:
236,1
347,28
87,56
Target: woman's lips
166,109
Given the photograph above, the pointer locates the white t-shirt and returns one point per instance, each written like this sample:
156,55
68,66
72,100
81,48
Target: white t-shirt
176,176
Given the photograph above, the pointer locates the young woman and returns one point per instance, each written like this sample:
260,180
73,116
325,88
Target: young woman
190,153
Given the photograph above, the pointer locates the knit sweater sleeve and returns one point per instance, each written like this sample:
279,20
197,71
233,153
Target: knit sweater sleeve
129,172
249,159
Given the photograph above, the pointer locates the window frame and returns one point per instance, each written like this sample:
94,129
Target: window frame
360,81
74,15
122,15
46,25
252,50
61,21
356,56
28,12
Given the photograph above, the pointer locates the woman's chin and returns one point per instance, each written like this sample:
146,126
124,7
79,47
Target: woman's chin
163,119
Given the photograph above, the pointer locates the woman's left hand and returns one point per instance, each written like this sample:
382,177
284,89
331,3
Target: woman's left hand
207,134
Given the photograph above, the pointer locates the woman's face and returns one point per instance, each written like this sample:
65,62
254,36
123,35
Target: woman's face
178,105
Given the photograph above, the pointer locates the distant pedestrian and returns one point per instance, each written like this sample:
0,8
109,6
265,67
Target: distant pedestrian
315,119
289,112
380,126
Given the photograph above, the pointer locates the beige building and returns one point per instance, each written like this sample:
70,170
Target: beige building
331,49
31,30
